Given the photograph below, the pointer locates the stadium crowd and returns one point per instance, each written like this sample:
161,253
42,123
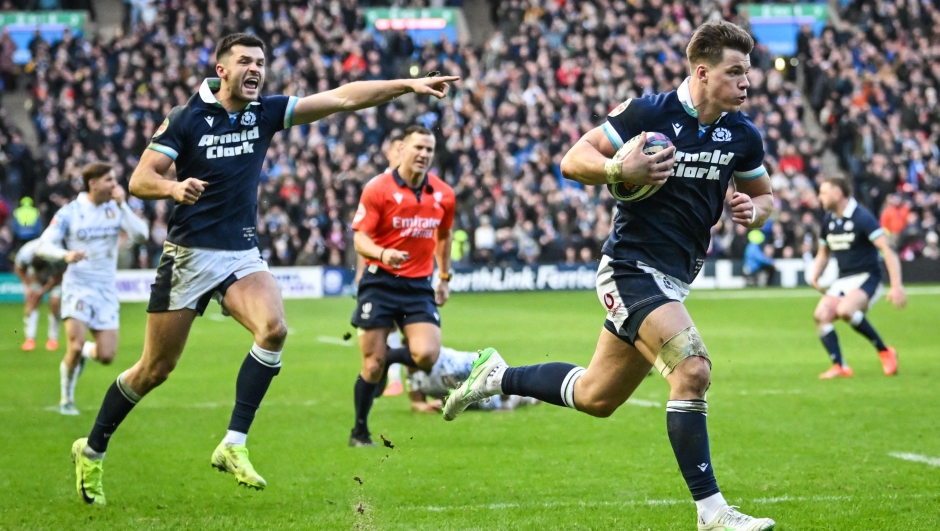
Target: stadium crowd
550,72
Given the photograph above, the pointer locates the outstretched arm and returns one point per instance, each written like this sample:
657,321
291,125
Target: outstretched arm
420,404
363,94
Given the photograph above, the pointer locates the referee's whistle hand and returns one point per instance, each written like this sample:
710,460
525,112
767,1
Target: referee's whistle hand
394,257
188,192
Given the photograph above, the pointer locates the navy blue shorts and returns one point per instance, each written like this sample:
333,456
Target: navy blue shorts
385,300
630,290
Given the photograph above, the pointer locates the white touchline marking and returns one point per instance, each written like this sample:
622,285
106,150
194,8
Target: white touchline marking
932,461
631,503
335,341
643,403
796,293
773,392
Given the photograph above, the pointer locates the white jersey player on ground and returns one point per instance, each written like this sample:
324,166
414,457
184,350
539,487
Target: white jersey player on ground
39,277
452,368
84,233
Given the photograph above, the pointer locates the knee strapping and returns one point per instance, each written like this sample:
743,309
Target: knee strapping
685,344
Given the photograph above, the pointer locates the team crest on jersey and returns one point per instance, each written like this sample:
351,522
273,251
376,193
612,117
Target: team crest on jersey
108,213
620,108
849,225
248,118
162,128
438,197
398,197
721,135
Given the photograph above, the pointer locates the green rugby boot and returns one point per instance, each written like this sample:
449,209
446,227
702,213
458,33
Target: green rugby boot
480,385
234,459
88,474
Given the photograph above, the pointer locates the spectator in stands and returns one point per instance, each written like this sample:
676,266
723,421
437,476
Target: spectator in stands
759,267
931,249
528,92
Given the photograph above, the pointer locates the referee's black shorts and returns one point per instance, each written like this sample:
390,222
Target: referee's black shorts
385,300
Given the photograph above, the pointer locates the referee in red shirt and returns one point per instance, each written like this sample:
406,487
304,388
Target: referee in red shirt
402,225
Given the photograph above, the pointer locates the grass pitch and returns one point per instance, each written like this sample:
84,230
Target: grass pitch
857,454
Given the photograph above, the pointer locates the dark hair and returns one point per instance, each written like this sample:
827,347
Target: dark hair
396,136
416,129
842,184
236,39
94,170
710,40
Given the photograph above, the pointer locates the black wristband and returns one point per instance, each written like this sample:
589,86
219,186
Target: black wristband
380,256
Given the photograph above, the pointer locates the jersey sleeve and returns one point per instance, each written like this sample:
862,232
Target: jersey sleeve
751,165
24,257
369,211
279,111
170,136
135,228
824,231
623,123
50,246
450,208
868,225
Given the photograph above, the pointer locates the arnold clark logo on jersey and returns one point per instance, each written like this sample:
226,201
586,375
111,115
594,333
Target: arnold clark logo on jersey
230,145
714,159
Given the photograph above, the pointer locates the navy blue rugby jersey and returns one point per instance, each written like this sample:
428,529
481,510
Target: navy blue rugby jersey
670,230
849,239
226,151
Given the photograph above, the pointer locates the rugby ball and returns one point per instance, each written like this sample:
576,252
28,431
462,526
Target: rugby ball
655,142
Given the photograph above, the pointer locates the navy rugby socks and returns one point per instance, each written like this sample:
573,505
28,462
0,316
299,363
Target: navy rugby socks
363,396
400,355
831,342
254,378
548,382
118,402
862,326
688,433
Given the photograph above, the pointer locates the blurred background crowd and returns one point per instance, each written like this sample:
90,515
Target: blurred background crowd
859,98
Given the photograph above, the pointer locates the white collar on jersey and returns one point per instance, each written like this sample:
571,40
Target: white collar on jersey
685,98
850,208
209,87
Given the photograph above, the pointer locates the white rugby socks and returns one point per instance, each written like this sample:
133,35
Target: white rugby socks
67,381
53,327
234,438
32,322
709,507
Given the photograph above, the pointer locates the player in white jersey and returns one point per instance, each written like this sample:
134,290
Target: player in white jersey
84,234
452,368
39,277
